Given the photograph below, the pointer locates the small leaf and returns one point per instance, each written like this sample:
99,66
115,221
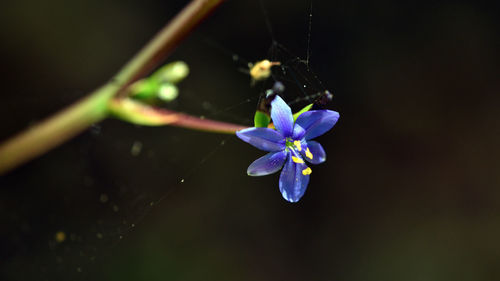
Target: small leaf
261,119
305,109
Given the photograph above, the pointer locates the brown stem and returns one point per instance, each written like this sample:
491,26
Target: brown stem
56,130
165,41
142,114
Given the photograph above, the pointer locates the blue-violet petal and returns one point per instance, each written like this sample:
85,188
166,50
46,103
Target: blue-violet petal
282,117
298,132
267,164
316,151
293,182
263,138
317,122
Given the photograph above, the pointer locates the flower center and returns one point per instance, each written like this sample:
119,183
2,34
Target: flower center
293,144
296,145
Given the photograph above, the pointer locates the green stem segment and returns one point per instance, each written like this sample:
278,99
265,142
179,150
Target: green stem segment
56,130
165,41
138,113
76,118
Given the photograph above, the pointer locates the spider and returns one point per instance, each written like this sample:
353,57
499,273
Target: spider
261,70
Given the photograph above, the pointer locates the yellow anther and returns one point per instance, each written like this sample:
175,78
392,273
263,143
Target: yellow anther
309,154
297,144
306,171
297,160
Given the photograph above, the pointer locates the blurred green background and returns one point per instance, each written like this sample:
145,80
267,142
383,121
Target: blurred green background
410,190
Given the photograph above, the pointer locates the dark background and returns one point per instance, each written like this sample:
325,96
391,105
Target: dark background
410,190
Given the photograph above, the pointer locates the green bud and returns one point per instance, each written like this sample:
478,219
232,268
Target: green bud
161,84
144,89
168,92
173,72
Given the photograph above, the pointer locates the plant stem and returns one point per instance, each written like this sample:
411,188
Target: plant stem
56,130
76,118
139,113
165,41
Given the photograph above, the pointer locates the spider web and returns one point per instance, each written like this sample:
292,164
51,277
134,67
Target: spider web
121,192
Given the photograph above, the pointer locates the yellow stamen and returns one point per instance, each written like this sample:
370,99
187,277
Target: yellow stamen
297,160
297,144
309,154
306,171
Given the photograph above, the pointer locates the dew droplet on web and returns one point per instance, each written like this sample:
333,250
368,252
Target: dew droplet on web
206,105
136,148
103,198
60,236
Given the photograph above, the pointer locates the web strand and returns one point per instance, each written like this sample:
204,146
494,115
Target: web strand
308,55
268,22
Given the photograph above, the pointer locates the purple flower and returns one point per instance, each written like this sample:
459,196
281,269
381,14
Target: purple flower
289,145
